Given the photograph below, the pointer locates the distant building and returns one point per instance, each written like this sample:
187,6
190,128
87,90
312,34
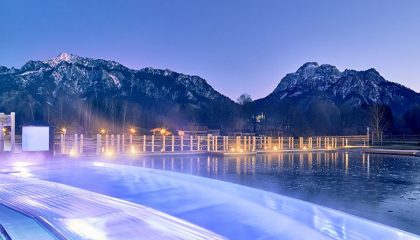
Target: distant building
198,131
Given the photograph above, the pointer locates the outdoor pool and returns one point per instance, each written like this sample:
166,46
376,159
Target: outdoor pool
382,188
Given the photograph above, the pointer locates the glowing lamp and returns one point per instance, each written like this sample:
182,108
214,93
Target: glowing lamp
109,153
73,153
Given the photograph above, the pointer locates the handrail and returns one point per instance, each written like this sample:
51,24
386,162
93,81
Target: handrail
3,233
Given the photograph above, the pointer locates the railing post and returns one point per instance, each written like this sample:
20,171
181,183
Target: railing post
98,144
75,147
227,143
198,143
118,143
173,143
62,146
12,132
163,143
208,143
215,143
112,142
281,143
191,143
153,143
182,143
123,143
144,143
81,143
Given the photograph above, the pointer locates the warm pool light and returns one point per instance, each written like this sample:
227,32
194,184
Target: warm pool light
109,153
232,149
63,130
305,148
102,131
133,150
73,153
4,131
132,130
275,148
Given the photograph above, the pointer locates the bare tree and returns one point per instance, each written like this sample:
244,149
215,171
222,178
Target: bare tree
124,114
31,103
379,119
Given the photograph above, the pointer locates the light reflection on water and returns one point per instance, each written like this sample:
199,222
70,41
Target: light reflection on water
381,188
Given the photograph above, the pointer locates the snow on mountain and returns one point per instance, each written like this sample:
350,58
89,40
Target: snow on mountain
348,87
72,77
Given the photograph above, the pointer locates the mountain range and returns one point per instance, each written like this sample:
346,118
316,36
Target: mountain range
323,100
91,93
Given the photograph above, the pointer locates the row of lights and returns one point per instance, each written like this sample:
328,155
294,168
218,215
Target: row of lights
132,130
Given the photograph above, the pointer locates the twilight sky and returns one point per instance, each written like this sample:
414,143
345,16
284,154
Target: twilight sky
237,46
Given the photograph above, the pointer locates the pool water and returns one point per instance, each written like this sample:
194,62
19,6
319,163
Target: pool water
381,188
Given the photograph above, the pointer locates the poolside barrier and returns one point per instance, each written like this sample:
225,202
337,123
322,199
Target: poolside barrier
111,144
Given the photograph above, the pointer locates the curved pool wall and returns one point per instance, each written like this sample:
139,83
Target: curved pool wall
231,210
22,227
72,213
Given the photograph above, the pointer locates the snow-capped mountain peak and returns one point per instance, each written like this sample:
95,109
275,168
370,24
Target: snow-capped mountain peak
63,57
349,87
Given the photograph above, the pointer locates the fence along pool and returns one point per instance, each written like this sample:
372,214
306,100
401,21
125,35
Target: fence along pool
76,144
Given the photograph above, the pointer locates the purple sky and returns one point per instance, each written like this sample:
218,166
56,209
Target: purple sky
237,46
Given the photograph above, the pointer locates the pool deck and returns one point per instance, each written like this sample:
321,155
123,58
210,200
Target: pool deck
404,152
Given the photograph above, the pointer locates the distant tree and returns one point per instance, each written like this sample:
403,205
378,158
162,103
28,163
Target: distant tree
380,118
244,99
412,119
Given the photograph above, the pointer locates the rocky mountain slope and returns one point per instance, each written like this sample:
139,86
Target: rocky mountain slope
318,97
100,90
93,93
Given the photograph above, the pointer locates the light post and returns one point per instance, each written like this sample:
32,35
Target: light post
63,140
132,131
367,136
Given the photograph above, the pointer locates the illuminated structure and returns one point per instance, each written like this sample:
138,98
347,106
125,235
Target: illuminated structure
7,121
